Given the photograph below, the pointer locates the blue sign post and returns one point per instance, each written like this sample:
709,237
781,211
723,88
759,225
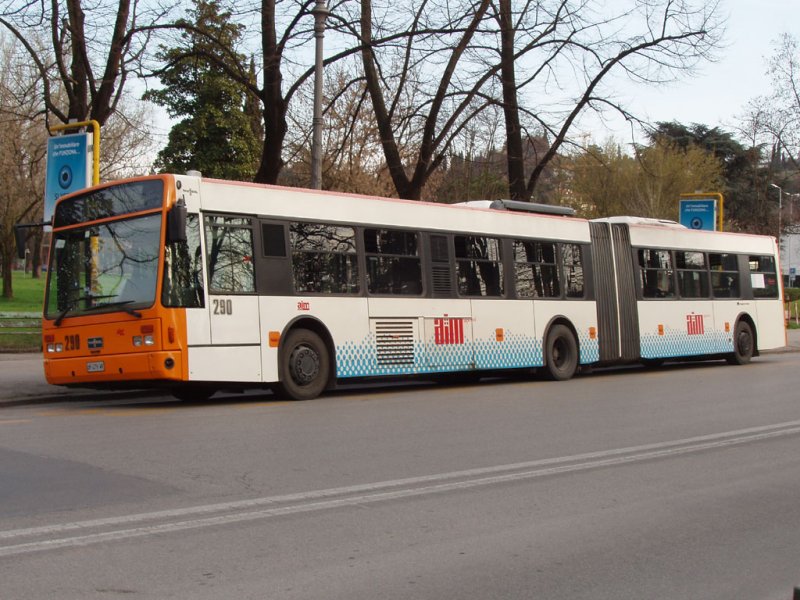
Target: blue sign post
69,167
701,211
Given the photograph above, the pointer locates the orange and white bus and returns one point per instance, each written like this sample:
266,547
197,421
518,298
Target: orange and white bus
200,285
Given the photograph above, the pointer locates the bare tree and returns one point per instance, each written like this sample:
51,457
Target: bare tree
90,57
561,52
352,155
542,62
430,65
22,148
780,112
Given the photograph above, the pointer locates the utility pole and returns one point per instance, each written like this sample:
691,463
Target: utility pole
320,12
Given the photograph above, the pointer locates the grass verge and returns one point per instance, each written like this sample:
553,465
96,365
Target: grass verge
28,294
28,298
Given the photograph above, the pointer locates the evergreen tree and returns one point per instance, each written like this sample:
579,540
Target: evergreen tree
215,135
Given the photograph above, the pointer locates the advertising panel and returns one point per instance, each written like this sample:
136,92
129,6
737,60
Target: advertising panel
698,213
69,167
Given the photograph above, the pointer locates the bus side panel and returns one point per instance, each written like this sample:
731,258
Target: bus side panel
583,316
345,318
225,363
416,335
771,327
505,334
671,328
198,327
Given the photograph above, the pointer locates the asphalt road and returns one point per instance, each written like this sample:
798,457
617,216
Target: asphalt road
674,483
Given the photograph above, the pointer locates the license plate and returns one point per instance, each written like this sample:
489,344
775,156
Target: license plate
97,366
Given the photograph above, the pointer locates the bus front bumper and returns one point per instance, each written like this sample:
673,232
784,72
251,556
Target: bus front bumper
142,366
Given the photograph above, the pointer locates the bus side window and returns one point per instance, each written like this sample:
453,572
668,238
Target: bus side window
536,269
393,263
478,266
763,276
724,275
229,244
657,274
692,274
324,259
183,270
572,259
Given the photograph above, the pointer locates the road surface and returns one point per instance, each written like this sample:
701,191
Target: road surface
681,482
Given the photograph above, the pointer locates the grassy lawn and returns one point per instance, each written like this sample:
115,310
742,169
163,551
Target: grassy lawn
28,298
28,294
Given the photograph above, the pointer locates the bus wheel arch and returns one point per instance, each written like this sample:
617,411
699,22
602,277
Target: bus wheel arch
306,360
561,350
745,341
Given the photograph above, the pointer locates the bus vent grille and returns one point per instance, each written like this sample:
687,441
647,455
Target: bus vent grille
395,342
442,286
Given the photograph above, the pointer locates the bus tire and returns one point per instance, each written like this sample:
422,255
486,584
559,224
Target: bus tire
743,344
561,353
304,365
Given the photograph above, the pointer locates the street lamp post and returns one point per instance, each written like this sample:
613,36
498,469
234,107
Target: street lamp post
320,12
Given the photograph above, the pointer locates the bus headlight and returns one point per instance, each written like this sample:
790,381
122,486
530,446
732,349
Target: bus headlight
51,347
137,340
149,341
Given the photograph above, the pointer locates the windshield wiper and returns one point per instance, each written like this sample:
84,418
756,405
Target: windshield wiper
122,304
71,304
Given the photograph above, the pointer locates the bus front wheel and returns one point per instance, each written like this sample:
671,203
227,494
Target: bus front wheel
743,344
561,353
304,365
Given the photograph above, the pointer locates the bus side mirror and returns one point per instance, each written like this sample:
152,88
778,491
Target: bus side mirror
176,222
21,237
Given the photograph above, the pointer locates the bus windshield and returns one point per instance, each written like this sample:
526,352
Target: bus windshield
104,267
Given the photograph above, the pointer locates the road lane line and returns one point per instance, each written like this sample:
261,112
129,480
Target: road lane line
327,499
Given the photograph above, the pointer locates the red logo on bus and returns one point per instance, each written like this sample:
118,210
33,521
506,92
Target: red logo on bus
694,324
448,330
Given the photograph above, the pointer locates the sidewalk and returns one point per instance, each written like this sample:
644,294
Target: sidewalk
22,378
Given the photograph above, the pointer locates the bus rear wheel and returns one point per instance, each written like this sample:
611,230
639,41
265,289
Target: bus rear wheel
304,366
561,353
743,344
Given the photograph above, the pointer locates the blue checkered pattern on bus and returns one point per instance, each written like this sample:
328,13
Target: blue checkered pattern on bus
589,349
679,343
516,351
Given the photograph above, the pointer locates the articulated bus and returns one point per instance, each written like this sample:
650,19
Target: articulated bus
199,285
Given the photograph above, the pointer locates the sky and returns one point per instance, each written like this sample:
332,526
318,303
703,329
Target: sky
718,92
714,95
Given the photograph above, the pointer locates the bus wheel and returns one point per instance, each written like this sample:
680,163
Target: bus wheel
743,344
304,365
193,392
561,353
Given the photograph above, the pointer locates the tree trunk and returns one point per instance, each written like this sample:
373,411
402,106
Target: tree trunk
272,98
515,158
8,261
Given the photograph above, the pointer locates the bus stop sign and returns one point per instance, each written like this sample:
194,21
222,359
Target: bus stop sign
69,167
699,213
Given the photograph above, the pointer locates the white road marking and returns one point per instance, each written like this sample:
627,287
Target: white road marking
125,527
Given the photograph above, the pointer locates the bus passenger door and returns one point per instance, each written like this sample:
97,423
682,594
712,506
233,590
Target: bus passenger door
233,312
